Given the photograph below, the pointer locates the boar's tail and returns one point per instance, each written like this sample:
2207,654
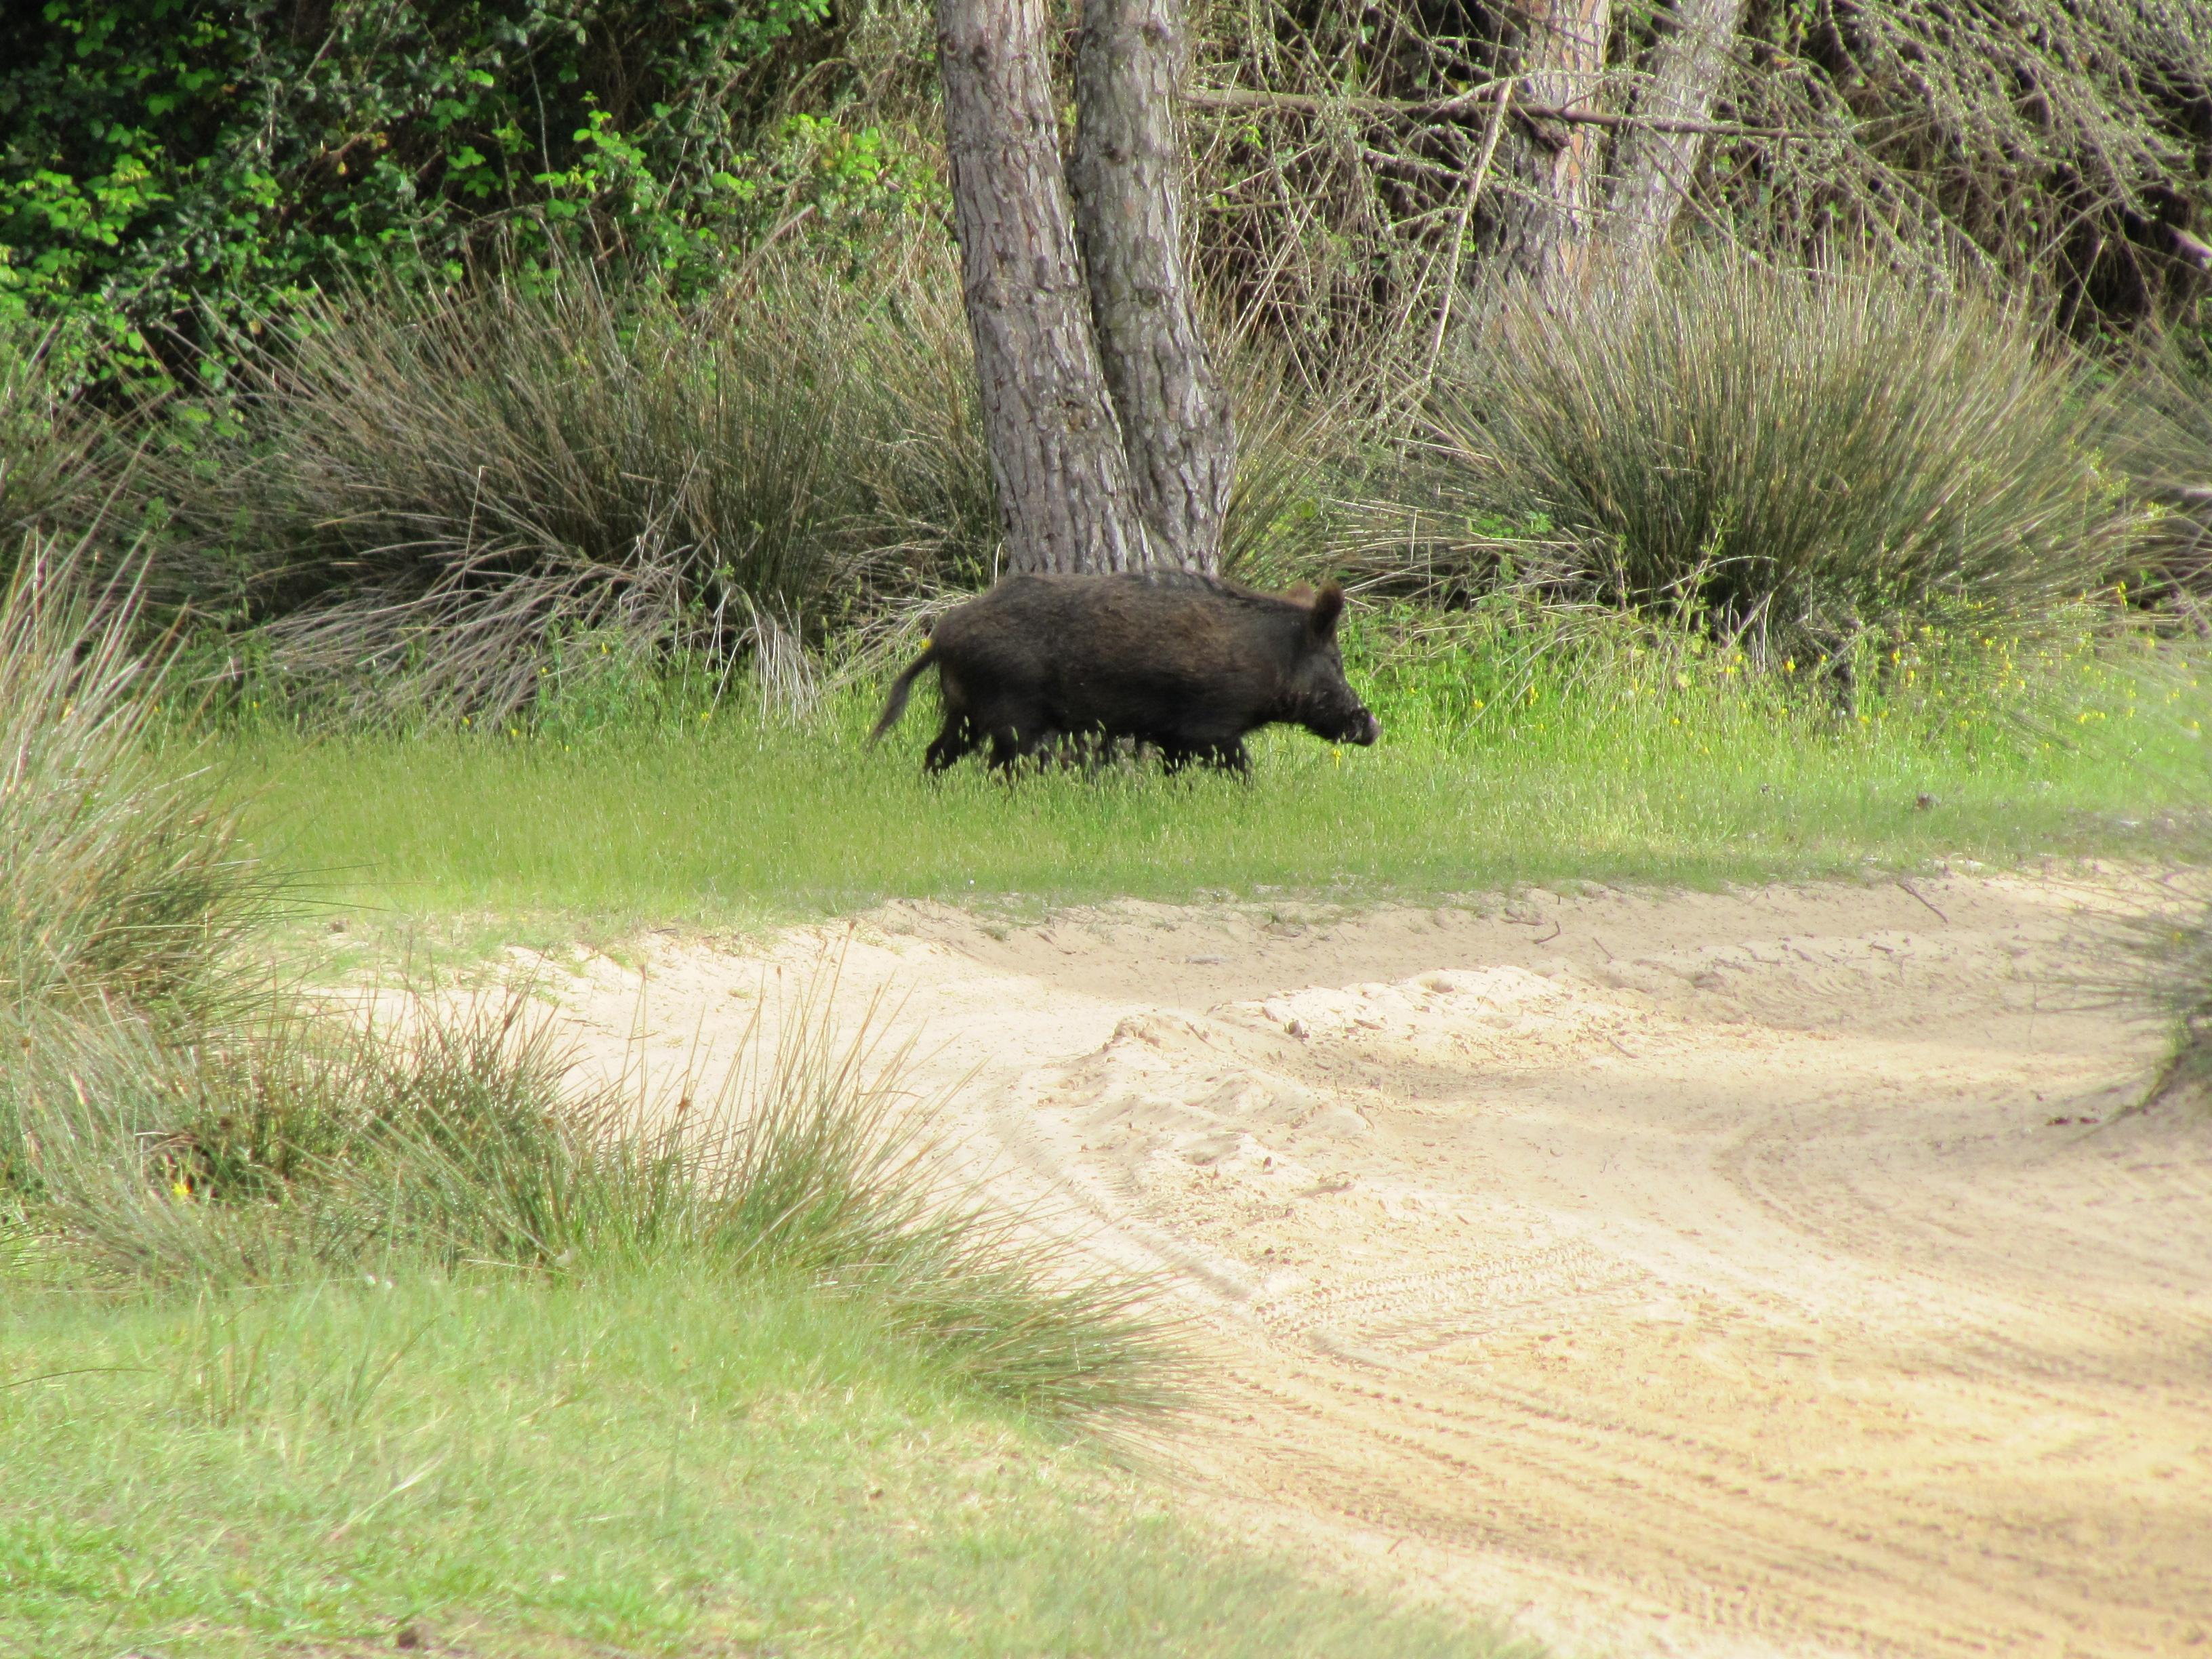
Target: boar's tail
902,688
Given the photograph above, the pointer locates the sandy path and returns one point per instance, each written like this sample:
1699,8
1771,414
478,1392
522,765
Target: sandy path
1754,1273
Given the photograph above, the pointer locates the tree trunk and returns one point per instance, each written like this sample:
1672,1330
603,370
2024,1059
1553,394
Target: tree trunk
1065,498
1176,428
1652,170
1545,230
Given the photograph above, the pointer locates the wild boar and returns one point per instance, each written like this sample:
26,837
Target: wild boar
1190,664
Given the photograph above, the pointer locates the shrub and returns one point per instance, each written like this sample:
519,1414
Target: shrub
1804,459
444,487
158,177
547,495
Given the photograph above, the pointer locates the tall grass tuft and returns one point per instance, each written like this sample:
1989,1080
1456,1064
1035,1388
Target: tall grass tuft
55,458
808,1161
126,898
2167,961
463,1138
1803,459
124,892
2166,447
443,486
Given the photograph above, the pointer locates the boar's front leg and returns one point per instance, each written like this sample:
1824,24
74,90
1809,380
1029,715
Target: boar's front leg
1227,756
1017,732
1231,757
1008,748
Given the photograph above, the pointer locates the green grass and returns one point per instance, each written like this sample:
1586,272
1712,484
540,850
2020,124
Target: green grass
1659,770
665,1464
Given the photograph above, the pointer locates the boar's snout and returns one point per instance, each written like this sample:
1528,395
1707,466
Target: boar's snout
1352,725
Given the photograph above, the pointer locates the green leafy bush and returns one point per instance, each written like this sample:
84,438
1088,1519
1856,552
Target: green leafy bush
1811,462
162,162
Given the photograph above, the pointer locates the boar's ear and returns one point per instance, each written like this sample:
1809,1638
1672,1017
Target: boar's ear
1328,606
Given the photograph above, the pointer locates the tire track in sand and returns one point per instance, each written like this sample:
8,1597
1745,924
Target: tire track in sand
1708,1276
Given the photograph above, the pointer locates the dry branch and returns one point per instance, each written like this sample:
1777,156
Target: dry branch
1234,98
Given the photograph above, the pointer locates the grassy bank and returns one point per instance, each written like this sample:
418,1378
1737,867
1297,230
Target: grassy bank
663,1465
319,1330
1651,770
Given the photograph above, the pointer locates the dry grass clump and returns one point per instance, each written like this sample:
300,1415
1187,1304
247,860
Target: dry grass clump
2168,958
441,486
55,472
463,503
2165,447
1806,461
124,887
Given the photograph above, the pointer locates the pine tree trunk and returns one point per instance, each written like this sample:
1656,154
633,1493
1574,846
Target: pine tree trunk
1652,170
1065,498
1177,427
1545,230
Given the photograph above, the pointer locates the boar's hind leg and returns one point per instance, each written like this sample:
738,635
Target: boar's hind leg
954,738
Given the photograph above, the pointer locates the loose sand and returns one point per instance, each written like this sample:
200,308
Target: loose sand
1766,1272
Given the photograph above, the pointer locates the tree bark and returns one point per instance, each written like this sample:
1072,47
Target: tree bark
1546,229
1176,428
1653,166
1065,496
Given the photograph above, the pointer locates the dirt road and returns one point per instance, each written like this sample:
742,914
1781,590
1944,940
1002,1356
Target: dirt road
1747,1274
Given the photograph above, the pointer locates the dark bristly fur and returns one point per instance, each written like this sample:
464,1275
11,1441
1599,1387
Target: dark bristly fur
1190,664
